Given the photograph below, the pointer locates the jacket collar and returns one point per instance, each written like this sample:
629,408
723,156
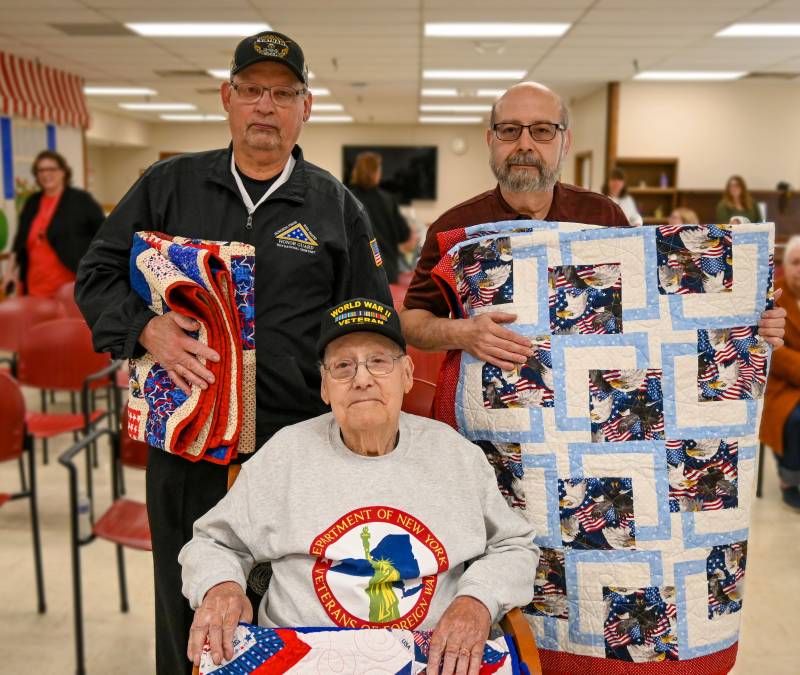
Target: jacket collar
293,190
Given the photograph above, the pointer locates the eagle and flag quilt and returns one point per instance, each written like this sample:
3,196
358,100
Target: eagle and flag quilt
629,436
332,651
213,283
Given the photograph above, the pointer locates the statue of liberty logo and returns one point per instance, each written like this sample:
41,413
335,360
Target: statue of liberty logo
388,566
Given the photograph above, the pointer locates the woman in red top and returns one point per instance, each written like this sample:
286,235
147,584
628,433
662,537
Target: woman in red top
55,228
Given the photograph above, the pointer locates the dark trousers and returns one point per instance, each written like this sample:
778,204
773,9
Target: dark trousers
178,493
789,464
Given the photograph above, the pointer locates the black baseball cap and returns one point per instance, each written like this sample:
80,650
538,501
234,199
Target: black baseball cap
356,316
270,46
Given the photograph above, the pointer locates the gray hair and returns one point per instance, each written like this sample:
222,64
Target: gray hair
792,243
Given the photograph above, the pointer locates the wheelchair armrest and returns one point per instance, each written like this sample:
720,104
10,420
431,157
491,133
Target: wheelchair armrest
515,625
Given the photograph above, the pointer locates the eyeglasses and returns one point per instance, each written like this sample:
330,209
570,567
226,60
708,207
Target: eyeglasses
539,131
48,169
377,364
282,97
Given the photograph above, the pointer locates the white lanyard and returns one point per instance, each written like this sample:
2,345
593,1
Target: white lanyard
248,203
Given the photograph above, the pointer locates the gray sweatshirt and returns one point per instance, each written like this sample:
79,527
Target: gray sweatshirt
361,541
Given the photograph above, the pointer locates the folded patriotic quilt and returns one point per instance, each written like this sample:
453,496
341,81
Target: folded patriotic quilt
629,437
333,651
211,282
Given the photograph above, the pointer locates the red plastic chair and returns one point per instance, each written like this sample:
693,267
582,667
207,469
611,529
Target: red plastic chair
398,294
419,400
65,296
17,315
404,278
124,523
426,364
13,441
58,355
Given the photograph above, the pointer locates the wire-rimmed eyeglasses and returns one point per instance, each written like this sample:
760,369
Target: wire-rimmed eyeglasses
539,131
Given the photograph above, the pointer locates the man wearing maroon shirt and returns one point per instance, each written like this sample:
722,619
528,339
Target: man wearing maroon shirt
528,138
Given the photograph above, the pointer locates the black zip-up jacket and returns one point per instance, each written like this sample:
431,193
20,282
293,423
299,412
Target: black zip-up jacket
75,222
196,195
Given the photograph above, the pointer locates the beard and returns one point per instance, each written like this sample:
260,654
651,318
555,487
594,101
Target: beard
541,180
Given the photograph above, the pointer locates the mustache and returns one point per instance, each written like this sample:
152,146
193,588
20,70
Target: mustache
524,159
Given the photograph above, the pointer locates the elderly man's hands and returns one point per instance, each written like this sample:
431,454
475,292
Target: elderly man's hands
165,338
224,606
459,637
773,323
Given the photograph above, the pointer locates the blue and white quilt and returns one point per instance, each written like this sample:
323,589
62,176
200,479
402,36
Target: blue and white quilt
629,437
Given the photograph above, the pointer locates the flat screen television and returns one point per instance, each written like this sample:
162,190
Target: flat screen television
409,171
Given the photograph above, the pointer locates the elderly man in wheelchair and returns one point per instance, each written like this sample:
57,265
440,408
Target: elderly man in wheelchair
370,517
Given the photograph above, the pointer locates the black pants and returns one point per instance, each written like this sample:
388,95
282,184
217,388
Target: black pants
789,464
178,493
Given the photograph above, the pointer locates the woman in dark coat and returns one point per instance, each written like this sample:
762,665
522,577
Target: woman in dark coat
55,228
388,225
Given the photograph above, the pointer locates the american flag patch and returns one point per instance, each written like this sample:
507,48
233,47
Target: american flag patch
376,252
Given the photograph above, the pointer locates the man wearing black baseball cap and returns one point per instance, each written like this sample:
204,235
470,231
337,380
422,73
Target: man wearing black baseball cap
314,248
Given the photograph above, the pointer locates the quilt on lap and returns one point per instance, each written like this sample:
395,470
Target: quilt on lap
629,437
212,283
331,651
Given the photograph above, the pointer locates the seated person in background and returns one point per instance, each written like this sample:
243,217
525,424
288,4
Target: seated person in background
780,424
683,216
737,201
367,514
616,189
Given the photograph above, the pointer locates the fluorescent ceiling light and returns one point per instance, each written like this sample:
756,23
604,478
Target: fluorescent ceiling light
760,30
320,91
495,30
330,118
197,29
449,119
473,74
328,107
225,73
456,107
490,93
689,75
119,91
193,118
439,92
157,106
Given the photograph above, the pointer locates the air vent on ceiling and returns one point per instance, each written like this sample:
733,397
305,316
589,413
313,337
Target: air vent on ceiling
181,73
93,29
770,76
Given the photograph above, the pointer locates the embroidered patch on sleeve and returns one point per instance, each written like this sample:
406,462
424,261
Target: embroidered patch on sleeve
376,252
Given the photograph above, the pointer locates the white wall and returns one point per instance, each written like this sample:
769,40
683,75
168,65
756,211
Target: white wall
114,169
588,134
715,129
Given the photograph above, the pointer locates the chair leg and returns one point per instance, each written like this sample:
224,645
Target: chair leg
45,453
93,407
760,474
80,658
123,588
52,396
22,480
37,541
